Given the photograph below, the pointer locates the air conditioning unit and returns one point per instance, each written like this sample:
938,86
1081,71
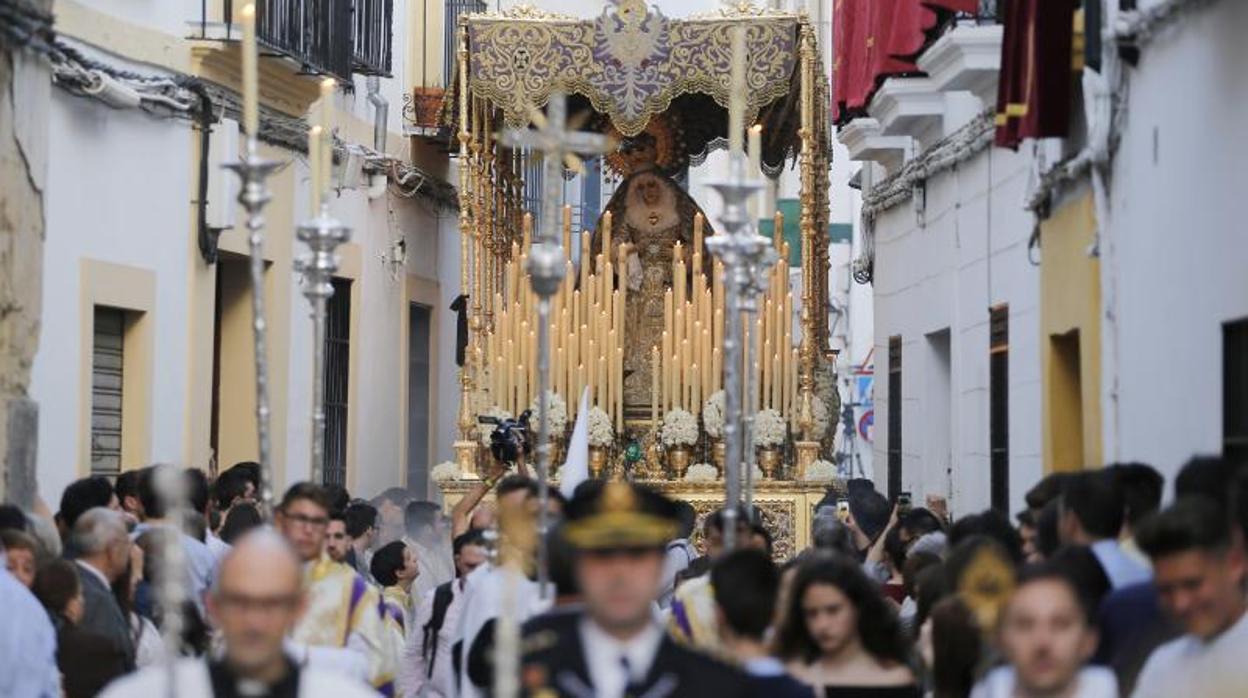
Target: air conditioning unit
223,148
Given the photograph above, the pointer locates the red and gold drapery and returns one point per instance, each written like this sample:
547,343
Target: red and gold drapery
1033,100
877,38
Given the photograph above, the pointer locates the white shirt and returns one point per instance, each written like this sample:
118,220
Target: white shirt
1189,666
1093,682
414,671
483,592
217,547
606,658
1121,569
435,565
27,643
677,558
192,681
201,563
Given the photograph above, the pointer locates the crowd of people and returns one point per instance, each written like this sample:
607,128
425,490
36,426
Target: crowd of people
1094,590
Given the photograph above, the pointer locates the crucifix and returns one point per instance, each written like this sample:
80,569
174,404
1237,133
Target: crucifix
559,146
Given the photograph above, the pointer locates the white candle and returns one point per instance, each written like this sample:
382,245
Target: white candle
251,72
327,125
737,93
756,149
314,167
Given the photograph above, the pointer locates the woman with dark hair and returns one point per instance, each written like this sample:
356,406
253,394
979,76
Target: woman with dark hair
841,636
957,647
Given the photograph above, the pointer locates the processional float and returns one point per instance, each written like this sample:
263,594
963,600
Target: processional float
722,372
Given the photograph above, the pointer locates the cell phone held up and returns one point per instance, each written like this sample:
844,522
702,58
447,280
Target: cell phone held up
842,510
903,503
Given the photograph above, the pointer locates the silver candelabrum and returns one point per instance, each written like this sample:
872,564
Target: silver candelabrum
546,270
254,172
746,256
322,234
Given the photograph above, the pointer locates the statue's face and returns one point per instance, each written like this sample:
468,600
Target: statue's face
650,190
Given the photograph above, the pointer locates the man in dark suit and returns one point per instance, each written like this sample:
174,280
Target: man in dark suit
614,647
745,584
103,548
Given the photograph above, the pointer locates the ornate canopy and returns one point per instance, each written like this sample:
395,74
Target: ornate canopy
631,63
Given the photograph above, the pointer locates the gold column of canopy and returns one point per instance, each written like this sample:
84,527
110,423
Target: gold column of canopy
466,446
807,449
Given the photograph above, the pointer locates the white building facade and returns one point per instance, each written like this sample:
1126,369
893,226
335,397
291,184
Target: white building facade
145,353
1071,304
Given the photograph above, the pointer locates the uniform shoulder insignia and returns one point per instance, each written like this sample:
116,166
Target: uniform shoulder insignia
539,641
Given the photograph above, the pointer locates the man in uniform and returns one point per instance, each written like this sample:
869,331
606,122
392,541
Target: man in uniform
613,646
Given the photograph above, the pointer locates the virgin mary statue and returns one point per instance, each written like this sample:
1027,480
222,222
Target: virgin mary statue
651,212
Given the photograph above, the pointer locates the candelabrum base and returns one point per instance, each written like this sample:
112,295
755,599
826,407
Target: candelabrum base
769,461
678,458
807,454
466,456
597,462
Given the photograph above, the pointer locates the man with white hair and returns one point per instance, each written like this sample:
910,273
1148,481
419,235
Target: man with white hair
102,544
255,602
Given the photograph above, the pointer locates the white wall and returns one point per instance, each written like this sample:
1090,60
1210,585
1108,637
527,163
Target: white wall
168,16
1175,255
118,191
970,255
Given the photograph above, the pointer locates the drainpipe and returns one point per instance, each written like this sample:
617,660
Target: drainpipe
381,112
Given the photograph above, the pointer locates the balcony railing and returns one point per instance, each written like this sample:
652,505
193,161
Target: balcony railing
374,20
455,9
317,33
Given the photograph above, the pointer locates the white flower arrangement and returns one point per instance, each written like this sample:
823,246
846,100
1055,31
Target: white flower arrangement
820,471
701,472
558,414
445,471
680,428
713,415
601,433
819,411
769,428
484,430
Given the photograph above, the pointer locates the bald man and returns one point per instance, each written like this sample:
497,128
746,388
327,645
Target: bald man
255,602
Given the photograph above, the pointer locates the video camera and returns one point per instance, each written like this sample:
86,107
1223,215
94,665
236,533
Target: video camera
510,438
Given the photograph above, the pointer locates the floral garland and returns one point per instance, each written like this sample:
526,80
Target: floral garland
819,410
601,433
769,428
713,415
557,413
680,428
445,471
701,472
820,471
485,430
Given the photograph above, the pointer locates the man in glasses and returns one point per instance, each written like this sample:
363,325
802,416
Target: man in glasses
255,602
343,611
